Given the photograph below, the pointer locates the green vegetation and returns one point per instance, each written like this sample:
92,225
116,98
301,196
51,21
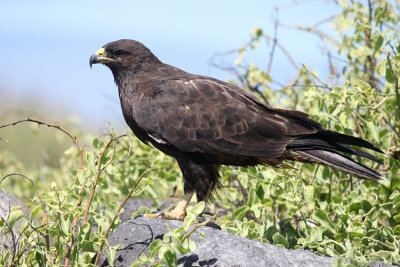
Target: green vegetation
302,206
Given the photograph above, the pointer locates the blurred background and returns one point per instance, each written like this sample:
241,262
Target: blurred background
45,49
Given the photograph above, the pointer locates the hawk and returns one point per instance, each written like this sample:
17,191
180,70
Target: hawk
204,123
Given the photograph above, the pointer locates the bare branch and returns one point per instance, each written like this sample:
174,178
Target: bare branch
26,177
275,40
73,138
316,77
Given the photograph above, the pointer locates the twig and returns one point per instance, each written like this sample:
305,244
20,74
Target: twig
275,40
358,124
98,172
396,88
392,127
26,177
309,85
52,126
112,155
14,250
129,150
380,103
199,225
25,248
283,49
312,29
119,209
305,222
316,77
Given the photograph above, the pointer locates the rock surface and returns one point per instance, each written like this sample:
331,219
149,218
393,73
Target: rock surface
7,202
217,248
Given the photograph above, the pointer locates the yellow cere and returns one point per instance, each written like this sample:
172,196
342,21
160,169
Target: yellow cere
100,52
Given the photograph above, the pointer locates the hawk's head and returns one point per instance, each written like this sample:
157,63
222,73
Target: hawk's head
125,55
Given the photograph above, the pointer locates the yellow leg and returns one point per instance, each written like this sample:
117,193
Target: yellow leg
178,213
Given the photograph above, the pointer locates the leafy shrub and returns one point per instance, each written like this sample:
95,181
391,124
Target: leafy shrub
301,206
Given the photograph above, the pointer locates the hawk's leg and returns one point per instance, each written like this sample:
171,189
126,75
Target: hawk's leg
178,213
200,175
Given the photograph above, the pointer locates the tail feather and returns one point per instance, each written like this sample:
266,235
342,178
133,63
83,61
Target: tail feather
346,140
342,163
324,147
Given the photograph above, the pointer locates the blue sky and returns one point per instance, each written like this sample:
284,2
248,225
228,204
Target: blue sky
46,46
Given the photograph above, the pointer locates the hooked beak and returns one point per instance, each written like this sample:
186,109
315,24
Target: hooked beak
99,57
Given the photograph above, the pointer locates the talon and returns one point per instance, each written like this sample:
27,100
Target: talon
138,216
178,213
160,215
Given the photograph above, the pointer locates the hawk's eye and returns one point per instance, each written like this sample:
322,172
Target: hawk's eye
120,52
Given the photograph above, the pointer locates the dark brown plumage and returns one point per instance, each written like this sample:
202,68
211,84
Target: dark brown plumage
204,123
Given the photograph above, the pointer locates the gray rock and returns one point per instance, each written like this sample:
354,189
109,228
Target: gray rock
132,205
7,202
217,248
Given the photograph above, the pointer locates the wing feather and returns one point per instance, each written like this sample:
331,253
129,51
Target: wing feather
210,116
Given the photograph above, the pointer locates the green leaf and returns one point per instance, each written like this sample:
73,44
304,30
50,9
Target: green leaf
337,199
309,194
178,246
141,261
396,202
199,208
382,67
378,14
378,44
97,143
155,247
162,251
89,246
85,228
260,192
270,232
251,198
65,225
355,207
373,130
397,217
257,31
239,213
170,256
363,85
81,177
390,77
147,180
355,234
338,262
321,217
190,244
111,256
365,205
14,217
188,222
35,211
334,96
280,240
394,194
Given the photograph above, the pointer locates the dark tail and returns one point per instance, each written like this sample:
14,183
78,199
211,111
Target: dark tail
324,147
